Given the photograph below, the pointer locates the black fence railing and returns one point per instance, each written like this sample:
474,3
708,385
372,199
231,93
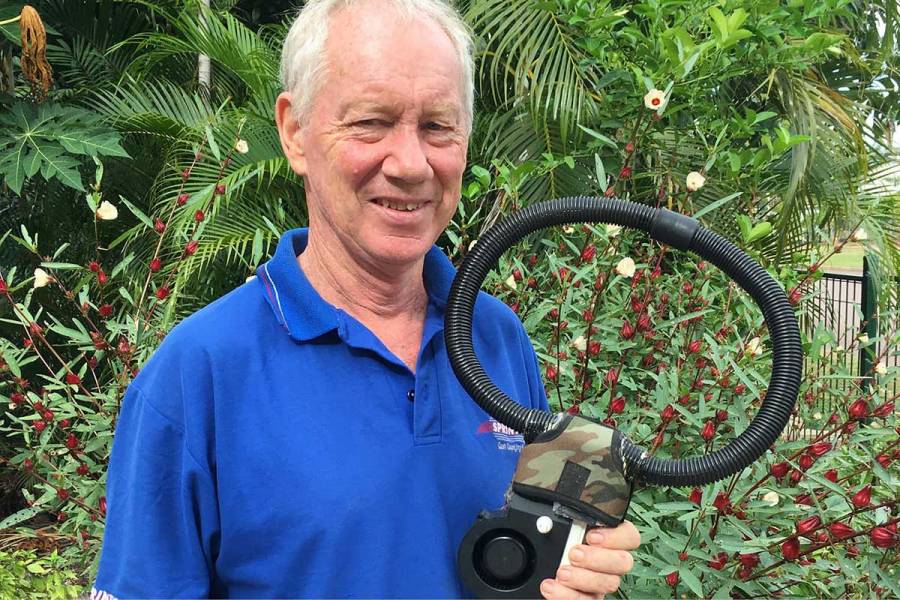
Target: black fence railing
845,306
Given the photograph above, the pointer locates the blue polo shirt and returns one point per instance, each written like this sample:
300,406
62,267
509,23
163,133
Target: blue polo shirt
273,447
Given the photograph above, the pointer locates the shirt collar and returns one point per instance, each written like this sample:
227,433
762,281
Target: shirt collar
299,307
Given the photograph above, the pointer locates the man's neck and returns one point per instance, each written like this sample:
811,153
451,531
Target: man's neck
373,294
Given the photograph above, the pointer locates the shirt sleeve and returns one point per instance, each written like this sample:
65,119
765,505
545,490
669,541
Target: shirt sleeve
162,512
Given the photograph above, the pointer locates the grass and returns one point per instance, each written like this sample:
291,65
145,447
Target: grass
851,257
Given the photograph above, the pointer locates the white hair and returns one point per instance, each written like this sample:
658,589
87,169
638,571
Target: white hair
303,55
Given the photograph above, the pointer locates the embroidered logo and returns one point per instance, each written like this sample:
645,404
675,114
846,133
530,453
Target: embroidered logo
507,439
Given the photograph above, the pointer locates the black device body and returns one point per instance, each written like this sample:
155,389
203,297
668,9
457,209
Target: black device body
504,555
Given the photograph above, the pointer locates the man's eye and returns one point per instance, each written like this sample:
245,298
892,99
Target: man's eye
371,123
432,126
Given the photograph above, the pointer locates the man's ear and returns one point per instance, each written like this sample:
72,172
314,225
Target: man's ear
289,131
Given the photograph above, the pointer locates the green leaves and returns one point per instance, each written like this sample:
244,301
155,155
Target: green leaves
752,233
727,30
43,138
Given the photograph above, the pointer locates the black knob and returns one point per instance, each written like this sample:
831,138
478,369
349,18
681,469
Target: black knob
504,558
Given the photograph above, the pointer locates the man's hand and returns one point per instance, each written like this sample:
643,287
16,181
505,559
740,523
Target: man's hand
597,567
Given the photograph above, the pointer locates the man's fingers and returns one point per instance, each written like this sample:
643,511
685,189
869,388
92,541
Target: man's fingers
588,581
602,560
554,590
624,537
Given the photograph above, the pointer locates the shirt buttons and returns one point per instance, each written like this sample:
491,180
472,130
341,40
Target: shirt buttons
411,395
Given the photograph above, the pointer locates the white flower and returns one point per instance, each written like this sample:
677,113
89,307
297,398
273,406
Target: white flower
817,416
654,99
859,235
754,347
249,279
472,244
771,498
625,268
41,278
694,181
579,343
107,212
242,147
863,338
881,368
568,229
613,230
511,282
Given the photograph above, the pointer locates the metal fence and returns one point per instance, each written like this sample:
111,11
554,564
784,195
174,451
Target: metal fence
846,306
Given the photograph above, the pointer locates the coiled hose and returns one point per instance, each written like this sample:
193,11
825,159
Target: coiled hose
668,227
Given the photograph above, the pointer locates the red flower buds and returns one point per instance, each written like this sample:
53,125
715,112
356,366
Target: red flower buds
858,409
779,470
841,531
668,413
82,470
159,226
617,405
722,502
688,287
94,266
807,525
71,442
105,310
885,410
554,313
819,449
749,560
72,379
790,548
552,373
220,189
884,460
627,331
863,497
718,563
831,475
625,173
643,322
883,537
612,377
594,348
806,461
794,296
101,277
191,247
694,346
708,431
589,252
695,496
672,578
62,494
199,216
588,314
155,264
162,293
573,410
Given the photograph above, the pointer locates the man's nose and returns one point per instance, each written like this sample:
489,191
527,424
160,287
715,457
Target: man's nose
406,159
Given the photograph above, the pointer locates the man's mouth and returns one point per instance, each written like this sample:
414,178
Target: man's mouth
400,206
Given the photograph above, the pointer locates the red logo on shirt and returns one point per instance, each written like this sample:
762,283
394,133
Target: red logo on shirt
507,439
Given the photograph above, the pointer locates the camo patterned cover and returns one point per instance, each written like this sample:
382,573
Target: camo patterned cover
588,444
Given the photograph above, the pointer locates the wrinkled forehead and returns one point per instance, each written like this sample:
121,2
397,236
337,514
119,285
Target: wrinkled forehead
385,58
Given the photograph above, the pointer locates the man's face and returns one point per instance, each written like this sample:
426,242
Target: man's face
384,146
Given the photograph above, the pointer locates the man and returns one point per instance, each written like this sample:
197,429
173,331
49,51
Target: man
304,435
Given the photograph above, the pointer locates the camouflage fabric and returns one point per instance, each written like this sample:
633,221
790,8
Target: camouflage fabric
596,472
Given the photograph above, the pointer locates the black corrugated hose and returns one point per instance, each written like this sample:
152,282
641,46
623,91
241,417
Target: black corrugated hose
668,227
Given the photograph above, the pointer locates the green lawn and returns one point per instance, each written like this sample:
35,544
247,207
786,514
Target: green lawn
851,257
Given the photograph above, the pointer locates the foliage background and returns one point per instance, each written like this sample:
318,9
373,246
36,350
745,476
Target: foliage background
788,108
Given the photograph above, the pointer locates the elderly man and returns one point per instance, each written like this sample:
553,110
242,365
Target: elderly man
304,435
